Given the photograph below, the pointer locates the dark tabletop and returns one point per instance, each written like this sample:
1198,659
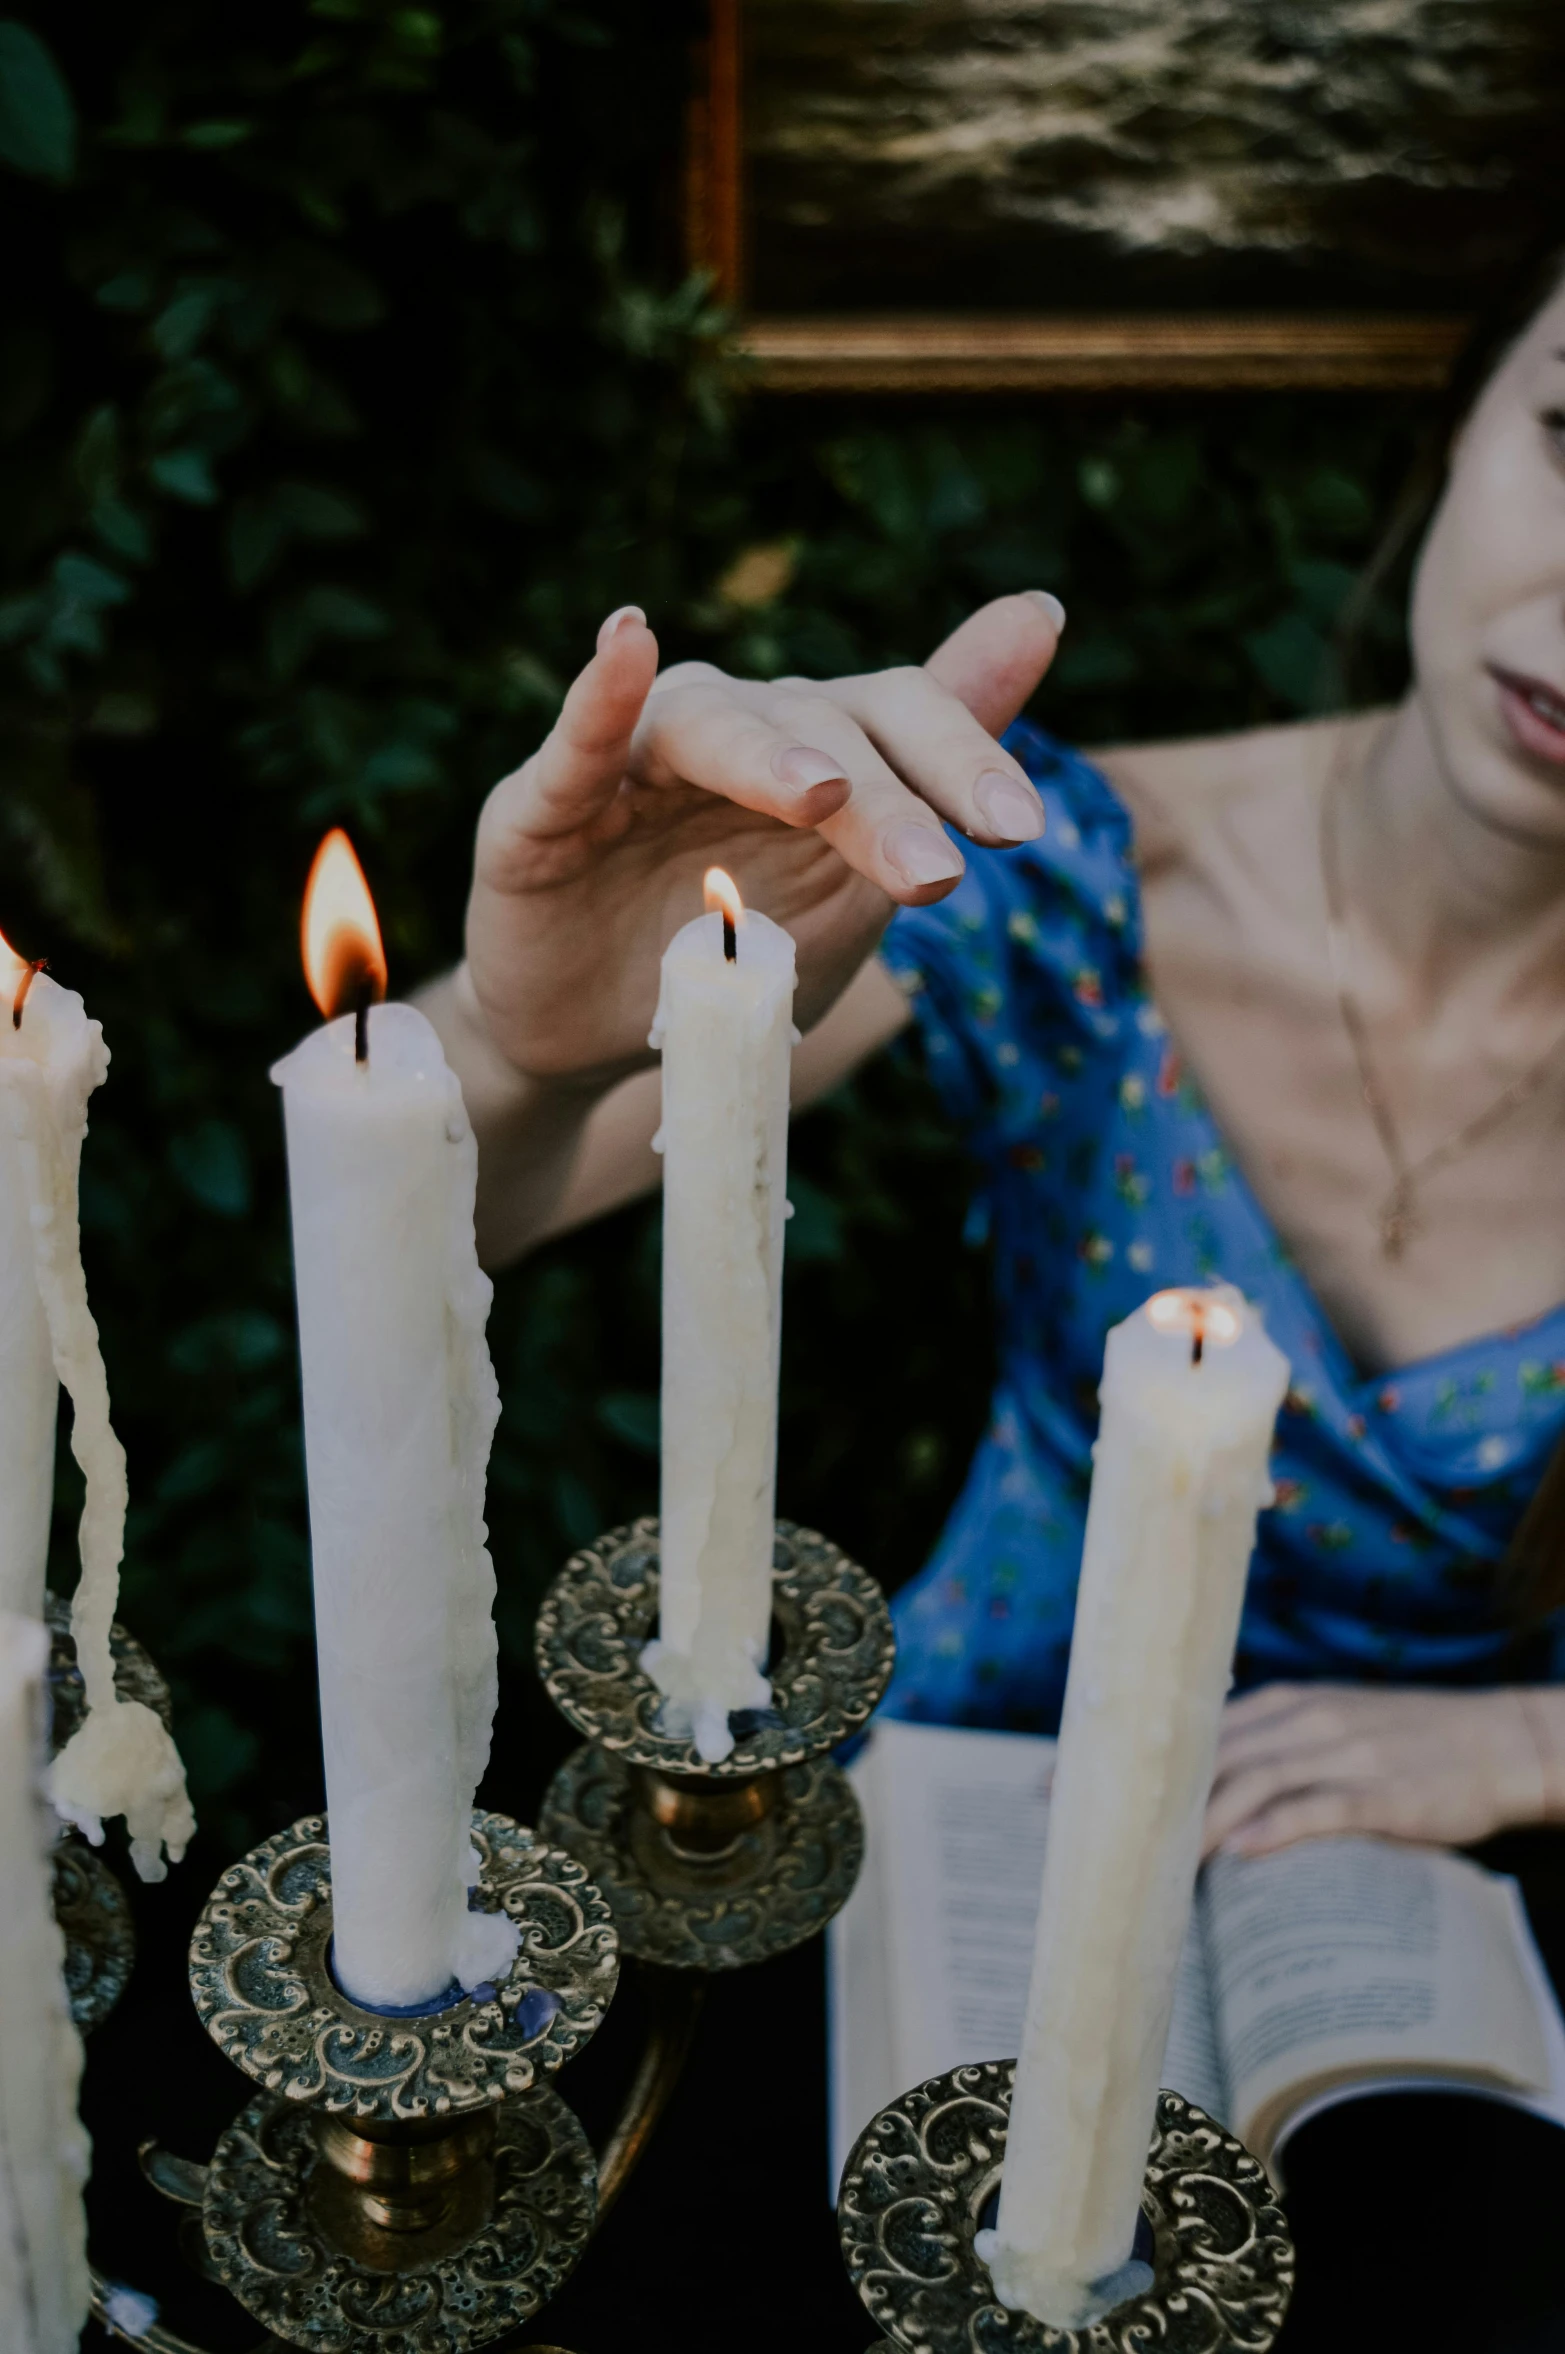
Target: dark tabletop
1423,2221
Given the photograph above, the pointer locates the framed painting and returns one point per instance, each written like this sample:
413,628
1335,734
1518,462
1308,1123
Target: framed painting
1016,195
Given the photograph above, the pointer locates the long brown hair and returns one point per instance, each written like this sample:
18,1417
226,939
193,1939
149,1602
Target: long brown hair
1385,577
1532,1575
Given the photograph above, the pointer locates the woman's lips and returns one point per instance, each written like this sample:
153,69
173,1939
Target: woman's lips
1534,713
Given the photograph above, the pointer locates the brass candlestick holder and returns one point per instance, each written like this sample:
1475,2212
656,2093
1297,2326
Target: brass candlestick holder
925,2173
400,2182
90,1905
413,2185
674,2003
711,1867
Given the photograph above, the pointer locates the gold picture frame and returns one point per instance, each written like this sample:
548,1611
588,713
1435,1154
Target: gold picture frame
859,351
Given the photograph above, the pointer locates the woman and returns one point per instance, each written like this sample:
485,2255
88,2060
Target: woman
1287,1007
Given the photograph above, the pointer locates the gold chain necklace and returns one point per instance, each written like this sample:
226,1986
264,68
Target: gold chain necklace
1397,1215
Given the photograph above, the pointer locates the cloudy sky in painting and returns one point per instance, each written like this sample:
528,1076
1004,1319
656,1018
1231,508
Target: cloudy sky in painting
1394,133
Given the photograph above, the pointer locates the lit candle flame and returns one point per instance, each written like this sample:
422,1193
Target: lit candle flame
1197,1314
18,975
722,894
344,961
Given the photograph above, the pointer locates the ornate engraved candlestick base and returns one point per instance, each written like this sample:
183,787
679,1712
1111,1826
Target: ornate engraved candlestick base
404,2183
313,2247
709,1867
915,2190
89,1903
100,1938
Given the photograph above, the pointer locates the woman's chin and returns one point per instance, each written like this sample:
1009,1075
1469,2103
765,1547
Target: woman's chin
1506,788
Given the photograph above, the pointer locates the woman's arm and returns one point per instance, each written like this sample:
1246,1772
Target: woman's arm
553,1155
1298,1761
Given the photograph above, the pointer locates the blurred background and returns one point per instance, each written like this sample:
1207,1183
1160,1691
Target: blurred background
351,373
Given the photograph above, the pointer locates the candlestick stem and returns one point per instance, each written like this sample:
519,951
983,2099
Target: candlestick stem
675,1999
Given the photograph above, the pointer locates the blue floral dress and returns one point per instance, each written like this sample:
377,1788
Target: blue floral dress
1104,1177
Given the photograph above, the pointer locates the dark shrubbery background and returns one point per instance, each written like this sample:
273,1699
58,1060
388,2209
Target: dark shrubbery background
348,379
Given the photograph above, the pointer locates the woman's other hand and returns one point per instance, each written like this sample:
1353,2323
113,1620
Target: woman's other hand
1297,1761
824,801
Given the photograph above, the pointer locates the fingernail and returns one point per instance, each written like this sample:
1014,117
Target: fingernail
1008,809
617,620
921,856
802,768
1051,605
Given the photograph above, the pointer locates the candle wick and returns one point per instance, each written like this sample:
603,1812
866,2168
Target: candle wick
730,938
361,1029
1197,1344
38,965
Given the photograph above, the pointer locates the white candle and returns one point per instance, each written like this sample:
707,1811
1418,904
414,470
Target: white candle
400,1405
43,2148
54,1034
121,1759
725,1027
1191,1388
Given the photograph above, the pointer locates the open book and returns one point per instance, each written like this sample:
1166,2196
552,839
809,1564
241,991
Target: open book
1330,1968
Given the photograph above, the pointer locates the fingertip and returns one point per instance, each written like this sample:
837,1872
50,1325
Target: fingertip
625,619
1011,811
996,657
817,803
607,696
815,782
924,894
1049,605
926,864
915,894
624,666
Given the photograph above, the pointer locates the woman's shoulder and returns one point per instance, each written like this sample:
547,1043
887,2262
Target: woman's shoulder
1118,818
1178,792
1068,907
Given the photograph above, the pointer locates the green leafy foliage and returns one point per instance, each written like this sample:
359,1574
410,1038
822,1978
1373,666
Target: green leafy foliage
37,119
346,381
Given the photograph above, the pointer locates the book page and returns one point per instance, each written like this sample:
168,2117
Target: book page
964,1819
930,1959
1549,2103
1356,1960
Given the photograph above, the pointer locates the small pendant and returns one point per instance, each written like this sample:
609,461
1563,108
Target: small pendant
1398,1225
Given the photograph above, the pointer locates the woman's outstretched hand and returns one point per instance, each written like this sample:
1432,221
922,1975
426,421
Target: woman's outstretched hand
1297,1761
824,801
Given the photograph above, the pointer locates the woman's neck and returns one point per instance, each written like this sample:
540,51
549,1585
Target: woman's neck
1457,900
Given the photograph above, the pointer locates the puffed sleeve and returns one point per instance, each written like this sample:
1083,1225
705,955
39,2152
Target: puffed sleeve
1022,980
